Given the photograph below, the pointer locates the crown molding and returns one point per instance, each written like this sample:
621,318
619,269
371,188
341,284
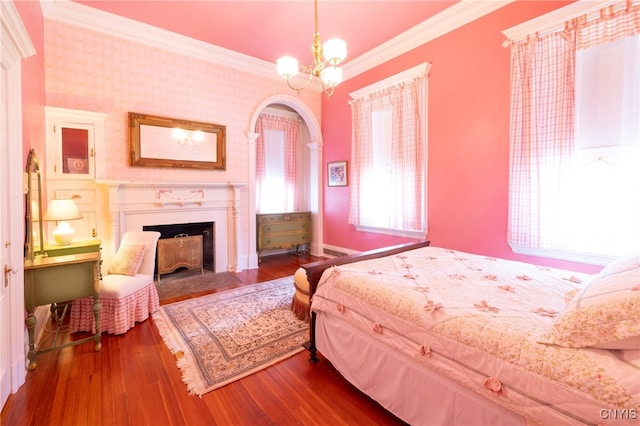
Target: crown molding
453,17
107,23
89,18
555,20
14,29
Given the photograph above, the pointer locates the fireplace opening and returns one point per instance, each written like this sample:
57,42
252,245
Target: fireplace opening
206,229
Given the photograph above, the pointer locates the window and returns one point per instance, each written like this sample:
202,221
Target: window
277,187
605,181
575,139
273,182
388,156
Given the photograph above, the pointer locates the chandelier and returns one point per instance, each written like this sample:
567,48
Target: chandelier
325,60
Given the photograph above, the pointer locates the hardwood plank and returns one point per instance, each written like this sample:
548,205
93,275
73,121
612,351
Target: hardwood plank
134,380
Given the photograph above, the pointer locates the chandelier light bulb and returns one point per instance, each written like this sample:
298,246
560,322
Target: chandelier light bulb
324,69
287,66
334,51
331,76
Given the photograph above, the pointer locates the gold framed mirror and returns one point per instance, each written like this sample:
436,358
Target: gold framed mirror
34,225
168,142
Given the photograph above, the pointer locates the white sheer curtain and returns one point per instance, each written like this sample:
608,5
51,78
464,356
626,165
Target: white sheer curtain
574,181
276,164
388,194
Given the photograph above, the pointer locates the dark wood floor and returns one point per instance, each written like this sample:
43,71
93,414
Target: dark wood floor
134,380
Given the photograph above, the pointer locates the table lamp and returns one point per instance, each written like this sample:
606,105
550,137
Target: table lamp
61,211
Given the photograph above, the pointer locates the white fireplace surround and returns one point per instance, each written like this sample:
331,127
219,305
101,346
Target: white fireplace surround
134,205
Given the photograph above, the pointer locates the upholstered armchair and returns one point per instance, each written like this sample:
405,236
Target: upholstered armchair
127,292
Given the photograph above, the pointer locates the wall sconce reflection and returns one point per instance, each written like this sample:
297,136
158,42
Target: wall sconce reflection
184,137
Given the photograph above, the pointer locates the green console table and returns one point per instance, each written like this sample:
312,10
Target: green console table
56,279
75,247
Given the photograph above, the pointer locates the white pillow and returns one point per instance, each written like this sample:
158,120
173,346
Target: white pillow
128,259
605,314
623,263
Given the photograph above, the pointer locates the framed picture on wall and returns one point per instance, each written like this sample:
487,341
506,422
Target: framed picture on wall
337,173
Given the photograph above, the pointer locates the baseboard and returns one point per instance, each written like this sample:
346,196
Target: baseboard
335,251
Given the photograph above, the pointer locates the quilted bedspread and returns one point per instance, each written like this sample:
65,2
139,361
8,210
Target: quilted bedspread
478,320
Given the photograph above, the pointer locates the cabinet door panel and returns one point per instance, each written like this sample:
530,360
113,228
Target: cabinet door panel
86,200
86,227
72,151
73,139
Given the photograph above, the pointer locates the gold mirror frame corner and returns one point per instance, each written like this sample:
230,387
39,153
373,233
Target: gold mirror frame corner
135,120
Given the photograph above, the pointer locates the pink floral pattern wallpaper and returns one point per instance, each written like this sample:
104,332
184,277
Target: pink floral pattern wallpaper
92,71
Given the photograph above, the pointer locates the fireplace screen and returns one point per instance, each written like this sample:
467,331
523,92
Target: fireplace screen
206,229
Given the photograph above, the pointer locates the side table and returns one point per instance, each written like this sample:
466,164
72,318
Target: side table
56,279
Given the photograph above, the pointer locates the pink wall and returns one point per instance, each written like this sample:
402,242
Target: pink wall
468,119
33,123
468,137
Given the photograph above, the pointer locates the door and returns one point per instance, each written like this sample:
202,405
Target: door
5,331
15,46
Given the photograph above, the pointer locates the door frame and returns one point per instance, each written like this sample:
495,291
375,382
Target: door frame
315,173
16,46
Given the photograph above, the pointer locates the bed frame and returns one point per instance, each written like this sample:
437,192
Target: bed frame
314,271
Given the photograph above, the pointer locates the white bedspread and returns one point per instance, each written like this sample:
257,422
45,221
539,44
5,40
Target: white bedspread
476,320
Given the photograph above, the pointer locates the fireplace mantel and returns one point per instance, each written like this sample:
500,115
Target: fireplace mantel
133,205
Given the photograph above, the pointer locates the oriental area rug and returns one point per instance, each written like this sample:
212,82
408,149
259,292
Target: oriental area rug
222,337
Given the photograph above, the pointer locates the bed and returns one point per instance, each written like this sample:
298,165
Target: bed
439,336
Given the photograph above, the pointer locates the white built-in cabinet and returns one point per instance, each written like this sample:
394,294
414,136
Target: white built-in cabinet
75,142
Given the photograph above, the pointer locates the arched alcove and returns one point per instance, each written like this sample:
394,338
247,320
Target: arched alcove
315,173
